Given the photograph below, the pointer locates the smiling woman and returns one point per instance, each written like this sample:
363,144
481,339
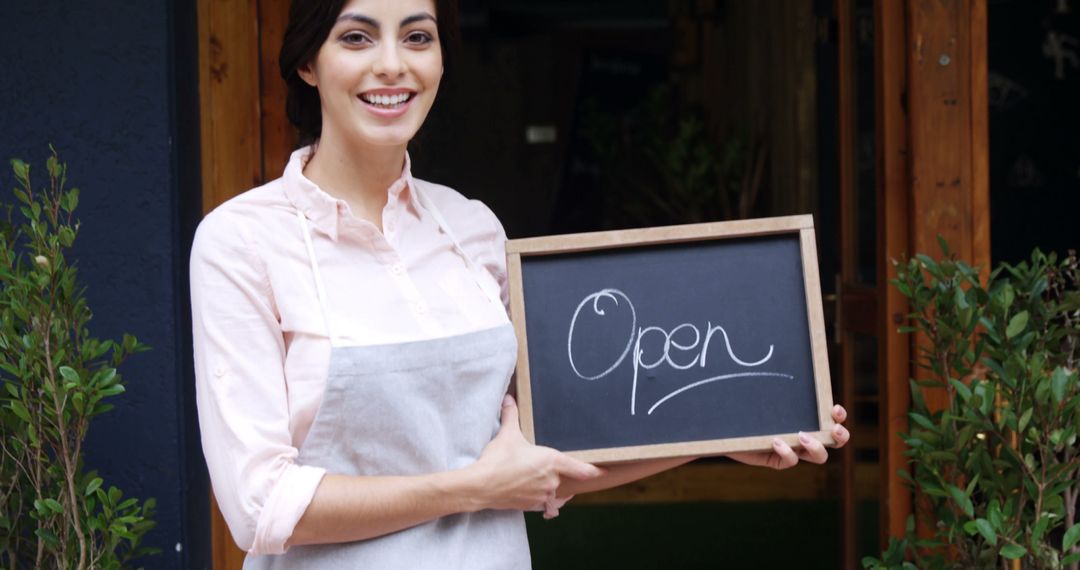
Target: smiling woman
352,347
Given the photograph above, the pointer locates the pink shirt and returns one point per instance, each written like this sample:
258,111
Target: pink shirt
260,341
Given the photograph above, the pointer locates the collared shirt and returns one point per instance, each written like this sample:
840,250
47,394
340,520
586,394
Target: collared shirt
261,342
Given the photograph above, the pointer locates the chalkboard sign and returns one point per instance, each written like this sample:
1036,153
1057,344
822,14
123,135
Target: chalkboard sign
683,340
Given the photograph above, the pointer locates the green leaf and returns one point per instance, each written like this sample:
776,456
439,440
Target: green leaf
92,486
48,536
962,500
1072,536
105,377
1013,551
54,505
112,390
1039,530
1017,324
922,421
961,389
52,165
944,245
987,531
993,512
20,410
1025,418
114,495
21,168
1058,382
69,374
22,196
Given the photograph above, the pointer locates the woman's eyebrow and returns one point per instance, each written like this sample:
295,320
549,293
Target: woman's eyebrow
417,18
354,17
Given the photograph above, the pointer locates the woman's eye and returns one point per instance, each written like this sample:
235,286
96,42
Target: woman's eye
418,38
354,38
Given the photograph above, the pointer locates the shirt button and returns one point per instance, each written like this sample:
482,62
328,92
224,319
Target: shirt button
420,308
219,371
397,269
389,226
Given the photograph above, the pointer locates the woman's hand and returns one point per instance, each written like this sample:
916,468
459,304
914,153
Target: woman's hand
515,474
783,457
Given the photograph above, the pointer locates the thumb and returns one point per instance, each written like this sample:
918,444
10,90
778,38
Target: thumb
509,416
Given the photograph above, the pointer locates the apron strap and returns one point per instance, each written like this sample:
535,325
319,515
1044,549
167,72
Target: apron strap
428,205
320,290
473,268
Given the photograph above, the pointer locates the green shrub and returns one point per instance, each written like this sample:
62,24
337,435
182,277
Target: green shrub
56,378
995,471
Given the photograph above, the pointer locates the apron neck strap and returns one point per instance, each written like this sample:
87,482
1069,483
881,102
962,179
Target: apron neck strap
428,205
320,289
476,271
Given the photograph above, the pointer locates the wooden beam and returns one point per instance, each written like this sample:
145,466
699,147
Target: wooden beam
894,355
229,98
980,139
279,138
229,104
949,127
948,137
847,135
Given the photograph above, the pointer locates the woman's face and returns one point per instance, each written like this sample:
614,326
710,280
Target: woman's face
378,71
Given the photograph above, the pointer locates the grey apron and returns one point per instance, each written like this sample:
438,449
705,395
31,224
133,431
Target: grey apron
409,409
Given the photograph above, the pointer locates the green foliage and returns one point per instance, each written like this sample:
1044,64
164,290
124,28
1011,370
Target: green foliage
996,469
55,379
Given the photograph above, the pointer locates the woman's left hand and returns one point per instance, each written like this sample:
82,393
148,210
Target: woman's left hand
783,456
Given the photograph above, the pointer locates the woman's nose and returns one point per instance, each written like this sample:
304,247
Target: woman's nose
389,63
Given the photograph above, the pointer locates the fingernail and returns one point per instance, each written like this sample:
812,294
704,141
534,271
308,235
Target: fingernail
508,400
805,439
777,443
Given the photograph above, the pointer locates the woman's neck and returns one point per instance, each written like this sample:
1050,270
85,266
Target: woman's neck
359,176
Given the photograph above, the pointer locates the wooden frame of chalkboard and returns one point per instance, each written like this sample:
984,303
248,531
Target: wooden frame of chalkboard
797,233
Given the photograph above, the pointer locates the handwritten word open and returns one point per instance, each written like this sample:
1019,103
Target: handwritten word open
636,335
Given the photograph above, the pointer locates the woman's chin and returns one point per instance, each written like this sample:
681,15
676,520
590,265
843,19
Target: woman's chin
395,136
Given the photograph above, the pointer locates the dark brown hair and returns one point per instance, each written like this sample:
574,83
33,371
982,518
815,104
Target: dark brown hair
310,22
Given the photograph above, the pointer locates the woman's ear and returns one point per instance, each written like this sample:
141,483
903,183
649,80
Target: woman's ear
308,75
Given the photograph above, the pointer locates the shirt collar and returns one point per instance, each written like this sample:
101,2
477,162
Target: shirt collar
325,211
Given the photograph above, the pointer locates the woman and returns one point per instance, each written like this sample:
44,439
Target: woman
351,289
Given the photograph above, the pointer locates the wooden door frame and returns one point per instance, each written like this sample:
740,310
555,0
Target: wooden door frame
893,233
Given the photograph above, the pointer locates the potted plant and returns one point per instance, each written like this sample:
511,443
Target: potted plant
995,471
56,378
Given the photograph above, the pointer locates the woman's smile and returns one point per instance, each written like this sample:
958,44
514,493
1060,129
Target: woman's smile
388,103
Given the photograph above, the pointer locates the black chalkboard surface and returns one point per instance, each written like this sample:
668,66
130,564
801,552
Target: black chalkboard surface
682,340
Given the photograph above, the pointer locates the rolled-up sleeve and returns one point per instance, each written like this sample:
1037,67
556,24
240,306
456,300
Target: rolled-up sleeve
241,392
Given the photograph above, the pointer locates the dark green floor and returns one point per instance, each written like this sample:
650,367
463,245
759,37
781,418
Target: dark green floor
701,535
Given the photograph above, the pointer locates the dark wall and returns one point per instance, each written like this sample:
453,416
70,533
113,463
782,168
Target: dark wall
111,84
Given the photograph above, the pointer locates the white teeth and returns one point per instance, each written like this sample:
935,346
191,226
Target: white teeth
386,100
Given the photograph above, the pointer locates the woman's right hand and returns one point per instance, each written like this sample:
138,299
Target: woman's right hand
515,474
